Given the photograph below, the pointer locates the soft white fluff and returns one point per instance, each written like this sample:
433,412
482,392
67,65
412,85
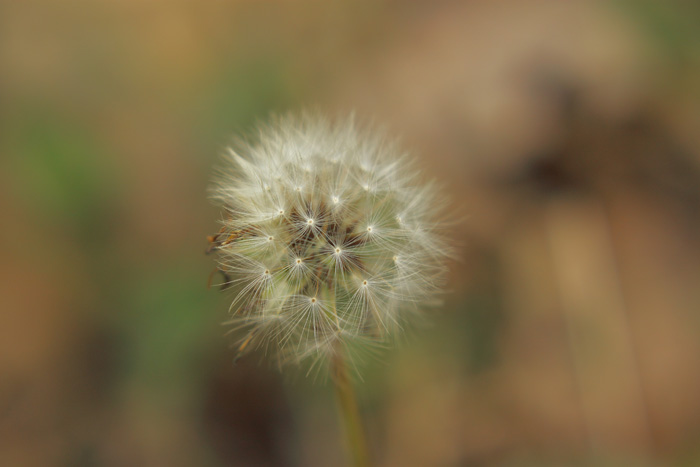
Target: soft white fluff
329,237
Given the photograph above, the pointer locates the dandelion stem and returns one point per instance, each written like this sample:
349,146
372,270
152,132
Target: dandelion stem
349,413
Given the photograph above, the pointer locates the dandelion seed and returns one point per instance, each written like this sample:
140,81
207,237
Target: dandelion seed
321,254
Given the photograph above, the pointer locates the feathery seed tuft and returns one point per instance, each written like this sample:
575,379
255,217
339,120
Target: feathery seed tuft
328,238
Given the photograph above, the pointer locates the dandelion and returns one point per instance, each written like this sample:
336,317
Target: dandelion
328,238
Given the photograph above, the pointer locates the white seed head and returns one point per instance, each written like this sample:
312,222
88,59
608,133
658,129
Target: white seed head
329,238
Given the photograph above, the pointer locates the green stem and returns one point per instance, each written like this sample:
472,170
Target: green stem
349,412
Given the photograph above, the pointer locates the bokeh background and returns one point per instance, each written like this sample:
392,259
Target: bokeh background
566,134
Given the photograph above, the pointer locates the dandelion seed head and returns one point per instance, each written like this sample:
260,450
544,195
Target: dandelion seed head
322,209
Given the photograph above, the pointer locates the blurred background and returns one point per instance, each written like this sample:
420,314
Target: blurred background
567,135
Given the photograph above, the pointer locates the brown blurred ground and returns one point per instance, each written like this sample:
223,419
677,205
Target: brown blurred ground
566,134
